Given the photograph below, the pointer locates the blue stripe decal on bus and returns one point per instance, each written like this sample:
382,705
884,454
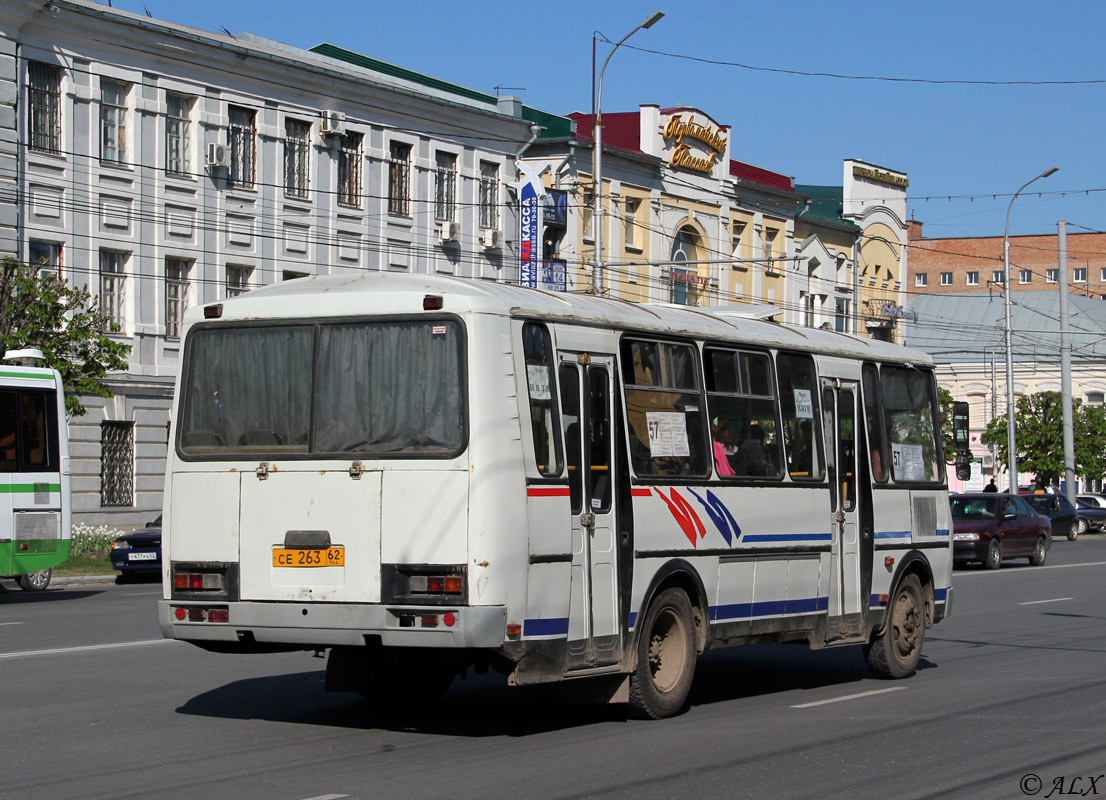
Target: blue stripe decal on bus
788,537
768,608
942,531
874,602
892,534
545,627
939,595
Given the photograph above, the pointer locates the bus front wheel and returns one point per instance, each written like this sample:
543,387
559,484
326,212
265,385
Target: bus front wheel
665,657
35,581
895,652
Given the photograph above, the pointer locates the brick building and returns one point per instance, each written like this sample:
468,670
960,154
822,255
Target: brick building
974,264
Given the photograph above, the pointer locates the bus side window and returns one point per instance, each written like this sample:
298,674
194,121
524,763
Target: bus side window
801,430
538,353
877,440
8,421
35,443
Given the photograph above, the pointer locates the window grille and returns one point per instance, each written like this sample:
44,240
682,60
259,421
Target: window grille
113,121
445,187
44,107
176,294
489,195
297,137
178,134
243,152
349,170
399,171
117,463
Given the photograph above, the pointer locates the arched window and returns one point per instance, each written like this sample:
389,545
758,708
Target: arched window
682,274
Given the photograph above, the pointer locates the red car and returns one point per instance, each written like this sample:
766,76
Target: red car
991,527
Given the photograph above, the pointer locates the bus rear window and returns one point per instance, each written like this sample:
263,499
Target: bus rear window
383,388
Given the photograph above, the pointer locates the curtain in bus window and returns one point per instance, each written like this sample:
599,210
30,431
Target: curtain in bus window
664,407
389,388
798,412
909,405
248,390
9,420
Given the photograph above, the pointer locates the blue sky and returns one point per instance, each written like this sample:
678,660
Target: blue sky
974,143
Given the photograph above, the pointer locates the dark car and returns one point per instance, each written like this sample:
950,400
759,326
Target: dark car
1095,515
991,527
1065,519
138,552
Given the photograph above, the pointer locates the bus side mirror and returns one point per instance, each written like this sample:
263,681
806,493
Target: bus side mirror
960,441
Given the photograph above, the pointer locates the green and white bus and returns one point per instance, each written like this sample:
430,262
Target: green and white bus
35,513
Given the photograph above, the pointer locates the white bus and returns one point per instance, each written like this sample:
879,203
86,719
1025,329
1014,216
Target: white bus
426,474
35,513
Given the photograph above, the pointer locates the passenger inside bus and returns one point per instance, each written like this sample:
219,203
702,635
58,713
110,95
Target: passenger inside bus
752,457
723,446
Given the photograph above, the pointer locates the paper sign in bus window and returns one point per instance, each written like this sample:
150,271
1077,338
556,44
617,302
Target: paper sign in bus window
804,408
908,461
538,378
667,434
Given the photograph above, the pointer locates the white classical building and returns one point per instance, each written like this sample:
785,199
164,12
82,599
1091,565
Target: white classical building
162,166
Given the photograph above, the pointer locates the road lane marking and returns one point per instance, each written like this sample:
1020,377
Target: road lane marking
850,697
11,623
66,650
327,797
1038,602
961,574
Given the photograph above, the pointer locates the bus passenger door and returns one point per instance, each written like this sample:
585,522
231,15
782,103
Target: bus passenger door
839,416
587,397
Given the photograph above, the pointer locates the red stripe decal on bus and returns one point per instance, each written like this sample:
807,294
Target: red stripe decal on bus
641,492
547,491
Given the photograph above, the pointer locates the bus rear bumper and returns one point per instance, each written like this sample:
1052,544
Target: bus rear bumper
309,625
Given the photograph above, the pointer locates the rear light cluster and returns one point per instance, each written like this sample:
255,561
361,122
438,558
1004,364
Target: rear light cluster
436,584
198,581
427,620
201,614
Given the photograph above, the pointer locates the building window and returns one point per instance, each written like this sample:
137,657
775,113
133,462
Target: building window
445,186
112,281
921,279
297,138
178,134
292,275
997,277
769,248
1025,276
113,121
946,279
629,220
45,257
1052,275
399,173
587,213
44,107
238,280
973,279
349,170
176,295
489,195
841,315
1095,398
116,463
684,276
1079,275
735,239
243,147
1102,275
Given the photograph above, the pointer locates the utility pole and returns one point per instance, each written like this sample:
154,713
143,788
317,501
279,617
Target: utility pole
1065,365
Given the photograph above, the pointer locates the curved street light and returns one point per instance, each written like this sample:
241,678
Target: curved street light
1011,437
597,160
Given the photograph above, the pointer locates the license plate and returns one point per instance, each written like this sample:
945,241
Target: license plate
309,557
141,556
962,537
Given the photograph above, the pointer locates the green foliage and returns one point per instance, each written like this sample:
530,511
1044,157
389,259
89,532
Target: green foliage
65,323
86,539
1039,424
944,402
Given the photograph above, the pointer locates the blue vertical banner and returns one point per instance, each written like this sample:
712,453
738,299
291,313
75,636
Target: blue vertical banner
531,194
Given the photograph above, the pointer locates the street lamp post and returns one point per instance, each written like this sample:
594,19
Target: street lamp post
597,160
1011,437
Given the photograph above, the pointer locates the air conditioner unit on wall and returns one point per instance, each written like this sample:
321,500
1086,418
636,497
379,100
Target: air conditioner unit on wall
332,123
449,231
988,461
218,156
491,239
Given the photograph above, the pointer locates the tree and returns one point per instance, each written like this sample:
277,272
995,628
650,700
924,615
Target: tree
944,401
1039,423
65,323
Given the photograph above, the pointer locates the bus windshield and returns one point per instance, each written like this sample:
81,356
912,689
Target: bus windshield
374,388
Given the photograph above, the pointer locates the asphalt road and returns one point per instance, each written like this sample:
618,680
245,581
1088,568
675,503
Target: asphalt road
1009,699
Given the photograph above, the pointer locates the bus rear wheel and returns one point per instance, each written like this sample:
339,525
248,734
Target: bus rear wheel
665,657
895,652
35,581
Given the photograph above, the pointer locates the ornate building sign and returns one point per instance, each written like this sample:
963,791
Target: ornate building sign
678,129
881,176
